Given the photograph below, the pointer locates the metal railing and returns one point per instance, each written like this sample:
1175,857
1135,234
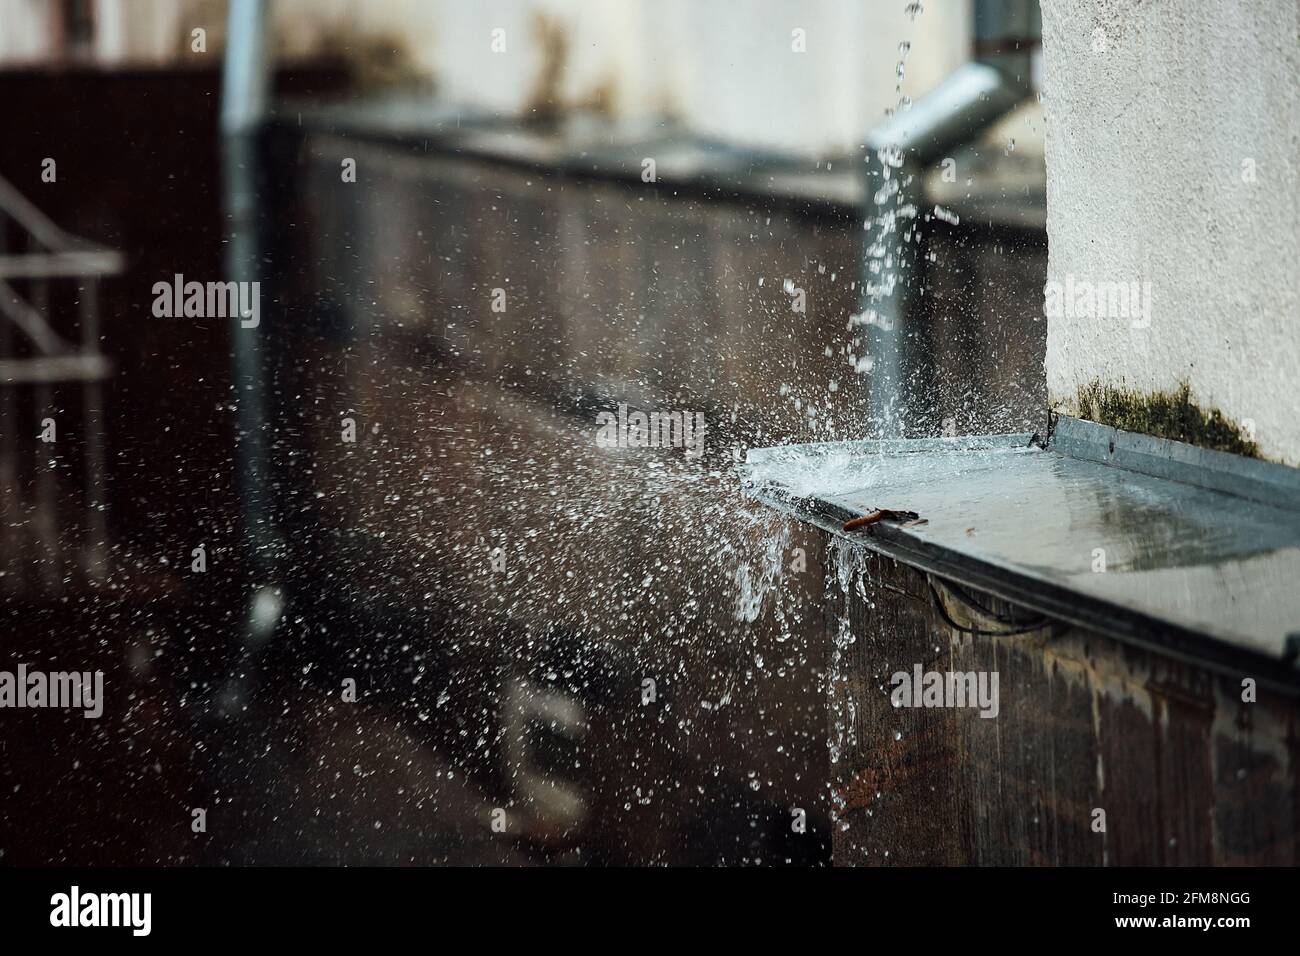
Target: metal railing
44,545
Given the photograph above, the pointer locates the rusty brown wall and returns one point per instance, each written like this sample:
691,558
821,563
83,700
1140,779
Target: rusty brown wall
1186,772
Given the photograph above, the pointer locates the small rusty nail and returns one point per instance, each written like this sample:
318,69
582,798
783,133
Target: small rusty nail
884,514
868,519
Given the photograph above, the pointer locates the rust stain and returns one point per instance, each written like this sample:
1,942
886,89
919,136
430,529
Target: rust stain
544,101
913,762
857,792
881,514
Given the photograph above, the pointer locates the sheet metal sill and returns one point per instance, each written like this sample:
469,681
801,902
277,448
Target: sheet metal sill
1156,543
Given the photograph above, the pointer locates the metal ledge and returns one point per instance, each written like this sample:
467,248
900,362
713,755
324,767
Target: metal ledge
49,369
1201,549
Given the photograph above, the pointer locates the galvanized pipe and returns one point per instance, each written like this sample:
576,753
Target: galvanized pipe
244,98
898,152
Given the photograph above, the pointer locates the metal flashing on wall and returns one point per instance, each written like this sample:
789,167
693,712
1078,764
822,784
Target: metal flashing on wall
1148,540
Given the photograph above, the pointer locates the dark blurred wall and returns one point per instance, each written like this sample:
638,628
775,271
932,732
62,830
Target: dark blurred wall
137,170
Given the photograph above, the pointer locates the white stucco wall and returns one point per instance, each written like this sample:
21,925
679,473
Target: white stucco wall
1173,136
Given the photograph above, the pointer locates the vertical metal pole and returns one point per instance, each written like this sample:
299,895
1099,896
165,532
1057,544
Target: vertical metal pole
94,548
10,508
244,97
45,517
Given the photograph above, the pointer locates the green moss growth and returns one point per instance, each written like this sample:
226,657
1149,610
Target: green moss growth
1165,415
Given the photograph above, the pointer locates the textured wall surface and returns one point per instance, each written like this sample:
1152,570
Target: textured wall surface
1171,157
1184,771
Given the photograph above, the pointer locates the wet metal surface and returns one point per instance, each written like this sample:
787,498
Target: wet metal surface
1205,574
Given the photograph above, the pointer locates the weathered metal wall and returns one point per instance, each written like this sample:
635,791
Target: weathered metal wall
476,433
1185,771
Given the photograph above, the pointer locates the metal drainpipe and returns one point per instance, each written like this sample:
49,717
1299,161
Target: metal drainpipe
244,97
972,98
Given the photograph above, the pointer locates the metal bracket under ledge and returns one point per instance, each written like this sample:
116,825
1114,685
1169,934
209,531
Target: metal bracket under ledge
1151,541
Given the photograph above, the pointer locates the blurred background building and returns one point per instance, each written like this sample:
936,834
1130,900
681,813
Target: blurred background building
500,589
715,72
